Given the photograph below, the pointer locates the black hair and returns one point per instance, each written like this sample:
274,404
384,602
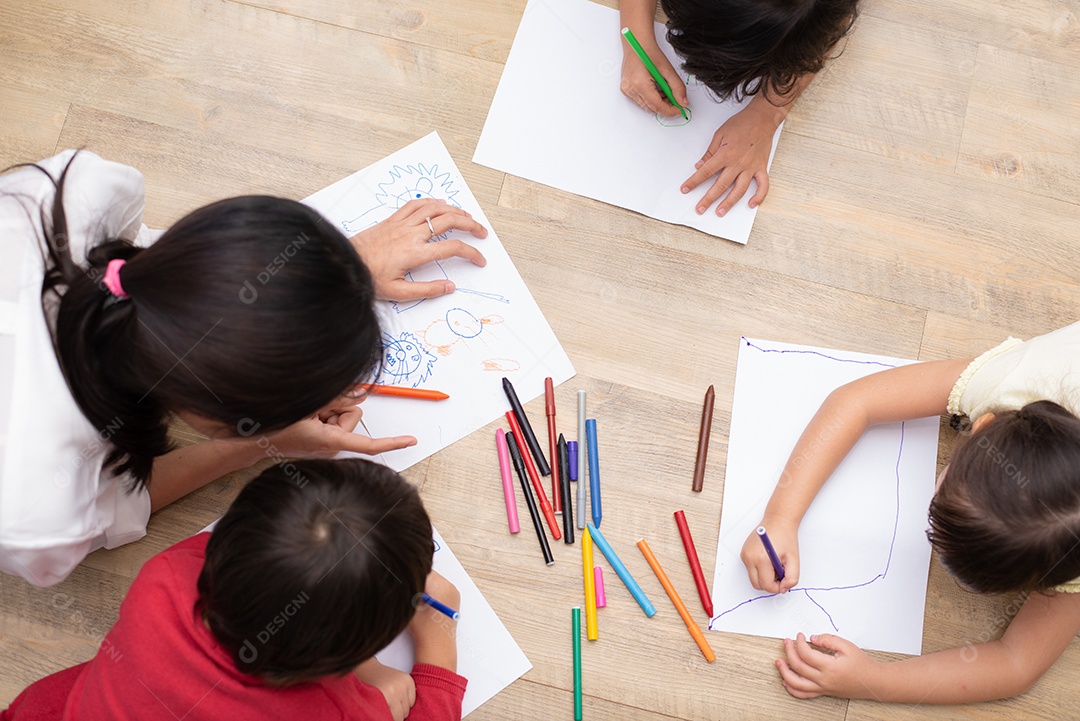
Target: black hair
253,311
315,567
1007,514
739,47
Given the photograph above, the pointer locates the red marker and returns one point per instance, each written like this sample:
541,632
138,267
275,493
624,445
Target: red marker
549,411
530,468
695,564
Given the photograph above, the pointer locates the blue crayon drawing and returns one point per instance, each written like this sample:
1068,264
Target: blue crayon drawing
409,182
406,360
806,590
436,271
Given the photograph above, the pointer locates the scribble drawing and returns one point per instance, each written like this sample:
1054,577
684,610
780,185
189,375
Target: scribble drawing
436,271
405,183
674,122
406,360
805,590
460,327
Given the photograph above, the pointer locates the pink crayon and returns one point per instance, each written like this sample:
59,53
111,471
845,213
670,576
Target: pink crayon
598,579
508,483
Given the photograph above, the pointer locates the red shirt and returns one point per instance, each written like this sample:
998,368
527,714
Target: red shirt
161,662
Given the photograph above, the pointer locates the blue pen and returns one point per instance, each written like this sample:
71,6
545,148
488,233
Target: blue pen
594,471
778,567
617,564
440,606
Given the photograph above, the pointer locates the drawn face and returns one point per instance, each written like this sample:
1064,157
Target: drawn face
463,323
422,189
403,357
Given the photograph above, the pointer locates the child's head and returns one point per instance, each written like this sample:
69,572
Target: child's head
1007,514
252,312
738,47
314,568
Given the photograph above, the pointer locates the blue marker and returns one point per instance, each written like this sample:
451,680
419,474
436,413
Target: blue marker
440,606
617,564
778,567
594,471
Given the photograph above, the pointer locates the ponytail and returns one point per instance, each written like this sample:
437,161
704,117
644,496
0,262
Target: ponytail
253,311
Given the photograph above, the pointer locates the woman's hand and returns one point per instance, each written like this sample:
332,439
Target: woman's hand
330,431
397,687
398,244
841,670
759,568
739,152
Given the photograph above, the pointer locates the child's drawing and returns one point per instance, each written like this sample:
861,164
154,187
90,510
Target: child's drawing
409,182
406,360
456,326
674,122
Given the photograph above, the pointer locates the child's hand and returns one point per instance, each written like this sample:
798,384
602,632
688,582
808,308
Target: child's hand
400,243
758,566
739,152
435,633
638,84
397,687
328,432
809,673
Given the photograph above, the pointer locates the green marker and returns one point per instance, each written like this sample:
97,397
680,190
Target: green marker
652,69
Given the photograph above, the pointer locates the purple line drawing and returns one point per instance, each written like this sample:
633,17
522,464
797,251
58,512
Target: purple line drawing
806,590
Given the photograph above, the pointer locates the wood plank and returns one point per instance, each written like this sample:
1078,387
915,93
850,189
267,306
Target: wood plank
32,124
1021,130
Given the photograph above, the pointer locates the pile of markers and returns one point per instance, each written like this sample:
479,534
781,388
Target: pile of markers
519,448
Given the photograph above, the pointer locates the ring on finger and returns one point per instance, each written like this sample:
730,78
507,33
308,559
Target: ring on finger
431,228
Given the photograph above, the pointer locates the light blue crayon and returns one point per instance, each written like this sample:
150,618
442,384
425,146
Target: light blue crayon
594,471
617,564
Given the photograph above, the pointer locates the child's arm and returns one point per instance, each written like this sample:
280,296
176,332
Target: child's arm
740,149
912,391
397,687
435,633
1009,666
637,83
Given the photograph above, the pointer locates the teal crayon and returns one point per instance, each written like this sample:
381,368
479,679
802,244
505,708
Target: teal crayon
620,569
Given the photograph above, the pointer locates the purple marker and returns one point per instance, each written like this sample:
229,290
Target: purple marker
778,567
571,449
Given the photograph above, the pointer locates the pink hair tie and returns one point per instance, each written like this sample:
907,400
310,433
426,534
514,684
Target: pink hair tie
112,278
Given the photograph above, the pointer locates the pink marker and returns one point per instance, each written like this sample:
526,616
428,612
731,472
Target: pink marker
598,581
508,484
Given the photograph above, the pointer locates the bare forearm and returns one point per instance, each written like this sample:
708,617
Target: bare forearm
979,672
179,472
774,107
639,16
830,435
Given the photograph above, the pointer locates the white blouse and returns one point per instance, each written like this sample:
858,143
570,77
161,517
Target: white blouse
56,503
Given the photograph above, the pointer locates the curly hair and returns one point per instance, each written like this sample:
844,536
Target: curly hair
741,47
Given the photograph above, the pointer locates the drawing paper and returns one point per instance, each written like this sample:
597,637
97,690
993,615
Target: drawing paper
462,344
488,656
862,545
559,118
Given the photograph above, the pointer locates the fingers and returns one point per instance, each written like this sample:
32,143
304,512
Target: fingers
795,684
738,190
762,178
454,249
832,643
791,572
402,290
445,222
374,446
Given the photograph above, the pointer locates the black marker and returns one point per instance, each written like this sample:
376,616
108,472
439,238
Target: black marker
526,429
519,466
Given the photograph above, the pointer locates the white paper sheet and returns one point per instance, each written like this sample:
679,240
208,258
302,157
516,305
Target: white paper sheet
462,344
862,546
559,118
488,656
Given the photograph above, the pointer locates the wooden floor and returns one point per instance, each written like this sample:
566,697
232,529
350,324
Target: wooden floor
925,203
